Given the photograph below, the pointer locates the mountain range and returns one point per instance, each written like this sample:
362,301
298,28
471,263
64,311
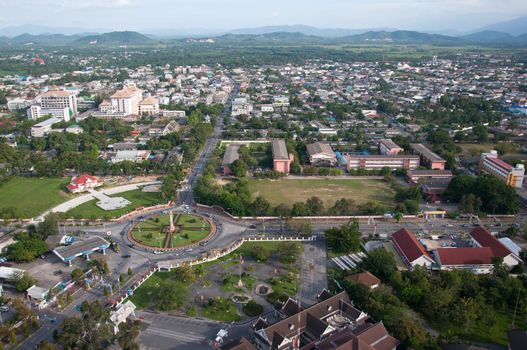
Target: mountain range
485,37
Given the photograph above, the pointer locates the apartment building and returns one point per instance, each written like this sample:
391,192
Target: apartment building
492,165
59,99
388,147
125,101
149,106
377,162
428,157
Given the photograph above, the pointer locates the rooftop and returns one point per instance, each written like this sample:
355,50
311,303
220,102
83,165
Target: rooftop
279,150
427,153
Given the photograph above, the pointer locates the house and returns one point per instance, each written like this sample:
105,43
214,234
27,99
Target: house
121,314
388,147
366,279
231,154
433,189
38,297
321,154
333,320
83,183
428,157
239,344
411,251
130,156
281,158
170,127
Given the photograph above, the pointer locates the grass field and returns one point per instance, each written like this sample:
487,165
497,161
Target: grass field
290,191
137,197
192,229
32,196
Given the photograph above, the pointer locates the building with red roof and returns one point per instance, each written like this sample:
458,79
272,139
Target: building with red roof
478,260
83,183
411,250
483,238
492,165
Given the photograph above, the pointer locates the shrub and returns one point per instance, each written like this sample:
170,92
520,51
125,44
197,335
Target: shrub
252,309
275,297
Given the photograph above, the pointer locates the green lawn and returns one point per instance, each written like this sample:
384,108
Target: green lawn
32,196
221,309
329,190
145,295
137,197
192,229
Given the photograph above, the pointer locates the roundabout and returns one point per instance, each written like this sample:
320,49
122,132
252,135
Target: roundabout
171,231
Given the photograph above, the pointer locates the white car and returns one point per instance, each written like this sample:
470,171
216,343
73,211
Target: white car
4,308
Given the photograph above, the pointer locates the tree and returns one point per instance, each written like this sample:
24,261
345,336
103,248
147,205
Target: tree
345,239
238,168
92,330
23,281
288,252
169,187
77,275
128,333
171,295
343,207
259,253
380,262
315,205
261,206
300,209
26,249
302,227
50,226
398,216
470,204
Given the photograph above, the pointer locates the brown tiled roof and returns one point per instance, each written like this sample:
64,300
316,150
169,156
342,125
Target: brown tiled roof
465,256
238,344
366,278
485,239
377,337
409,245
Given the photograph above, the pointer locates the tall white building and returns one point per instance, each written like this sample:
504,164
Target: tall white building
56,103
126,100
59,99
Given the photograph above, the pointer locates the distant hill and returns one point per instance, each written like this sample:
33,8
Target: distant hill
489,37
115,38
303,29
43,39
401,37
515,27
269,38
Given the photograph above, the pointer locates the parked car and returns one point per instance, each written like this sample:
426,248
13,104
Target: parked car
126,256
4,308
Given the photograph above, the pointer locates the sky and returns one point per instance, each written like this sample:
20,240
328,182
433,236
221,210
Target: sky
444,15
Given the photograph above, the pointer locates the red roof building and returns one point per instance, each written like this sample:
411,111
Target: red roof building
83,183
483,238
411,250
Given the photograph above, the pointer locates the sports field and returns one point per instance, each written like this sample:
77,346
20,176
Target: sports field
329,190
30,197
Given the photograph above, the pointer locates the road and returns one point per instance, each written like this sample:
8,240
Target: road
186,196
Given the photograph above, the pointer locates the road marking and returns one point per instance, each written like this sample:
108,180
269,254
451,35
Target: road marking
174,335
